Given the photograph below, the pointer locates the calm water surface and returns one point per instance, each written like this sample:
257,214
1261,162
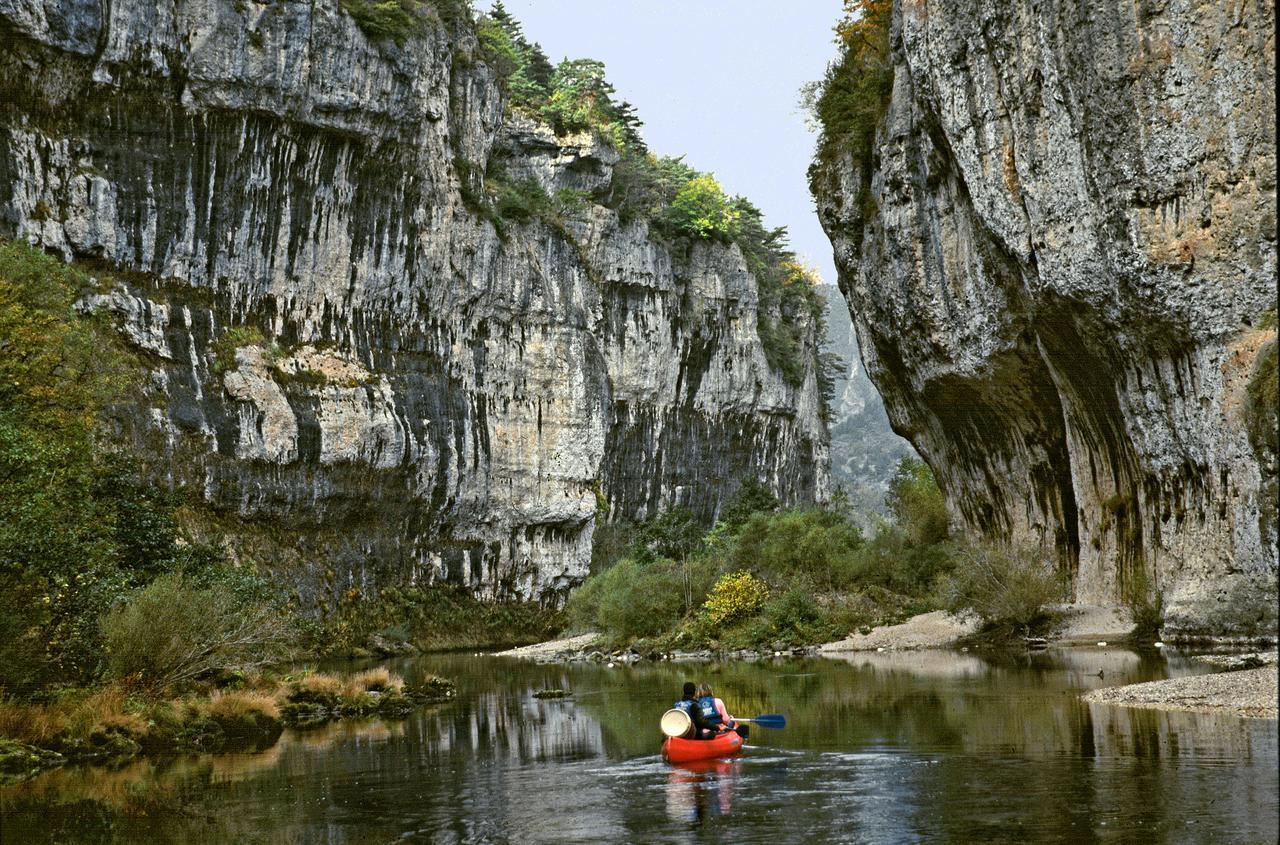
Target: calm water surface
915,747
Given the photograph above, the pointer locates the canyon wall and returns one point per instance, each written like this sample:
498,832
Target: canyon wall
365,377
1060,257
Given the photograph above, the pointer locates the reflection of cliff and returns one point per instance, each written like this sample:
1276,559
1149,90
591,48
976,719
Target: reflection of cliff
864,450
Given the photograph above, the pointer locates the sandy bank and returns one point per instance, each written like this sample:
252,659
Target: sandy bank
937,629
1249,692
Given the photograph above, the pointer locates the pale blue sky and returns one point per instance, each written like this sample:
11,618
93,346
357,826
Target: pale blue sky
717,80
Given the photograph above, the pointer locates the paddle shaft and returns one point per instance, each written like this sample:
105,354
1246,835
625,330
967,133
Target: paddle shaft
768,720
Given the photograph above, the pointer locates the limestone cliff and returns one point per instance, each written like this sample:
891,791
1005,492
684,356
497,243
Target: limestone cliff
368,379
1060,255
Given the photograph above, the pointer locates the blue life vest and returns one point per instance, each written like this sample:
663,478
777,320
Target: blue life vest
707,710
687,706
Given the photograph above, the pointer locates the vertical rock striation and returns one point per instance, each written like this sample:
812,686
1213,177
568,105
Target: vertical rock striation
368,378
1061,284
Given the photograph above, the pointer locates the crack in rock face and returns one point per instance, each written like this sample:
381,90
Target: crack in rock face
1059,283
367,380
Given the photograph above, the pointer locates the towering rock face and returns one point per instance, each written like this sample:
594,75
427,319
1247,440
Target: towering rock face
363,373
1061,284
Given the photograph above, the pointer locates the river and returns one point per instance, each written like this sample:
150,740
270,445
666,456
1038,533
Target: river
880,748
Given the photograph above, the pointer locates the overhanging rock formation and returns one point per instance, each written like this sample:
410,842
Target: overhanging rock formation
1061,259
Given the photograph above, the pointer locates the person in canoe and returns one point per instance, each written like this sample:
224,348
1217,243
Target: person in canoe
688,703
712,713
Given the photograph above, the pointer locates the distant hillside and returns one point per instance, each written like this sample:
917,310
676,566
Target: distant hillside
864,449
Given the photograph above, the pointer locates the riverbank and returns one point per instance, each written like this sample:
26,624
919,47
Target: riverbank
1249,693
936,629
116,723
1073,625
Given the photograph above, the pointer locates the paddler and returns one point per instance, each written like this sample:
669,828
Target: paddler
689,704
711,711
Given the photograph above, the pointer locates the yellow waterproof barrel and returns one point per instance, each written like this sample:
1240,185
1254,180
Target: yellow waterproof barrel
676,723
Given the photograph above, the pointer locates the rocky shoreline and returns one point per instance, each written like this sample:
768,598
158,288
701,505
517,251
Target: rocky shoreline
1250,693
1076,625
587,648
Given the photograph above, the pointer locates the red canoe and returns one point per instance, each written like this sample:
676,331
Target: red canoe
676,750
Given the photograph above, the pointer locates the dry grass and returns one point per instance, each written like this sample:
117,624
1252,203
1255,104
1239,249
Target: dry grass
378,680
236,705
255,712
318,687
75,715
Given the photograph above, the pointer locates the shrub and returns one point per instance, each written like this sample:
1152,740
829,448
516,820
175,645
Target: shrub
235,337
383,19
630,599
434,617
794,610
641,600
522,201
58,507
893,561
1007,588
1263,391
734,596
917,503
815,543
173,631
849,102
701,209
583,607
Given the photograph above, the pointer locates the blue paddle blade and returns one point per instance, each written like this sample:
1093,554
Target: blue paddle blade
770,720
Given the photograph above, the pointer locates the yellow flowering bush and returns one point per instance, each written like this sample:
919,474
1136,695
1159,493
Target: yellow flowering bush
735,595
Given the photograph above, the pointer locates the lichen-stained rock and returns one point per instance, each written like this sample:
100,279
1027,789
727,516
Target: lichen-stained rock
1061,288
367,379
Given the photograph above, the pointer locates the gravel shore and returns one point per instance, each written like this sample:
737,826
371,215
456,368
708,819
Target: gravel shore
1249,692
928,630
552,650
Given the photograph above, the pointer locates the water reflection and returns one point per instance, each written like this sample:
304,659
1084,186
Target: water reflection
696,791
879,748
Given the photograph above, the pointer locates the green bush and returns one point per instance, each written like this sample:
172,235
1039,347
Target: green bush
65,521
893,561
639,600
752,497
233,338
397,20
522,67
701,209
850,101
176,629
917,503
1007,588
523,201
819,545
435,617
795,615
